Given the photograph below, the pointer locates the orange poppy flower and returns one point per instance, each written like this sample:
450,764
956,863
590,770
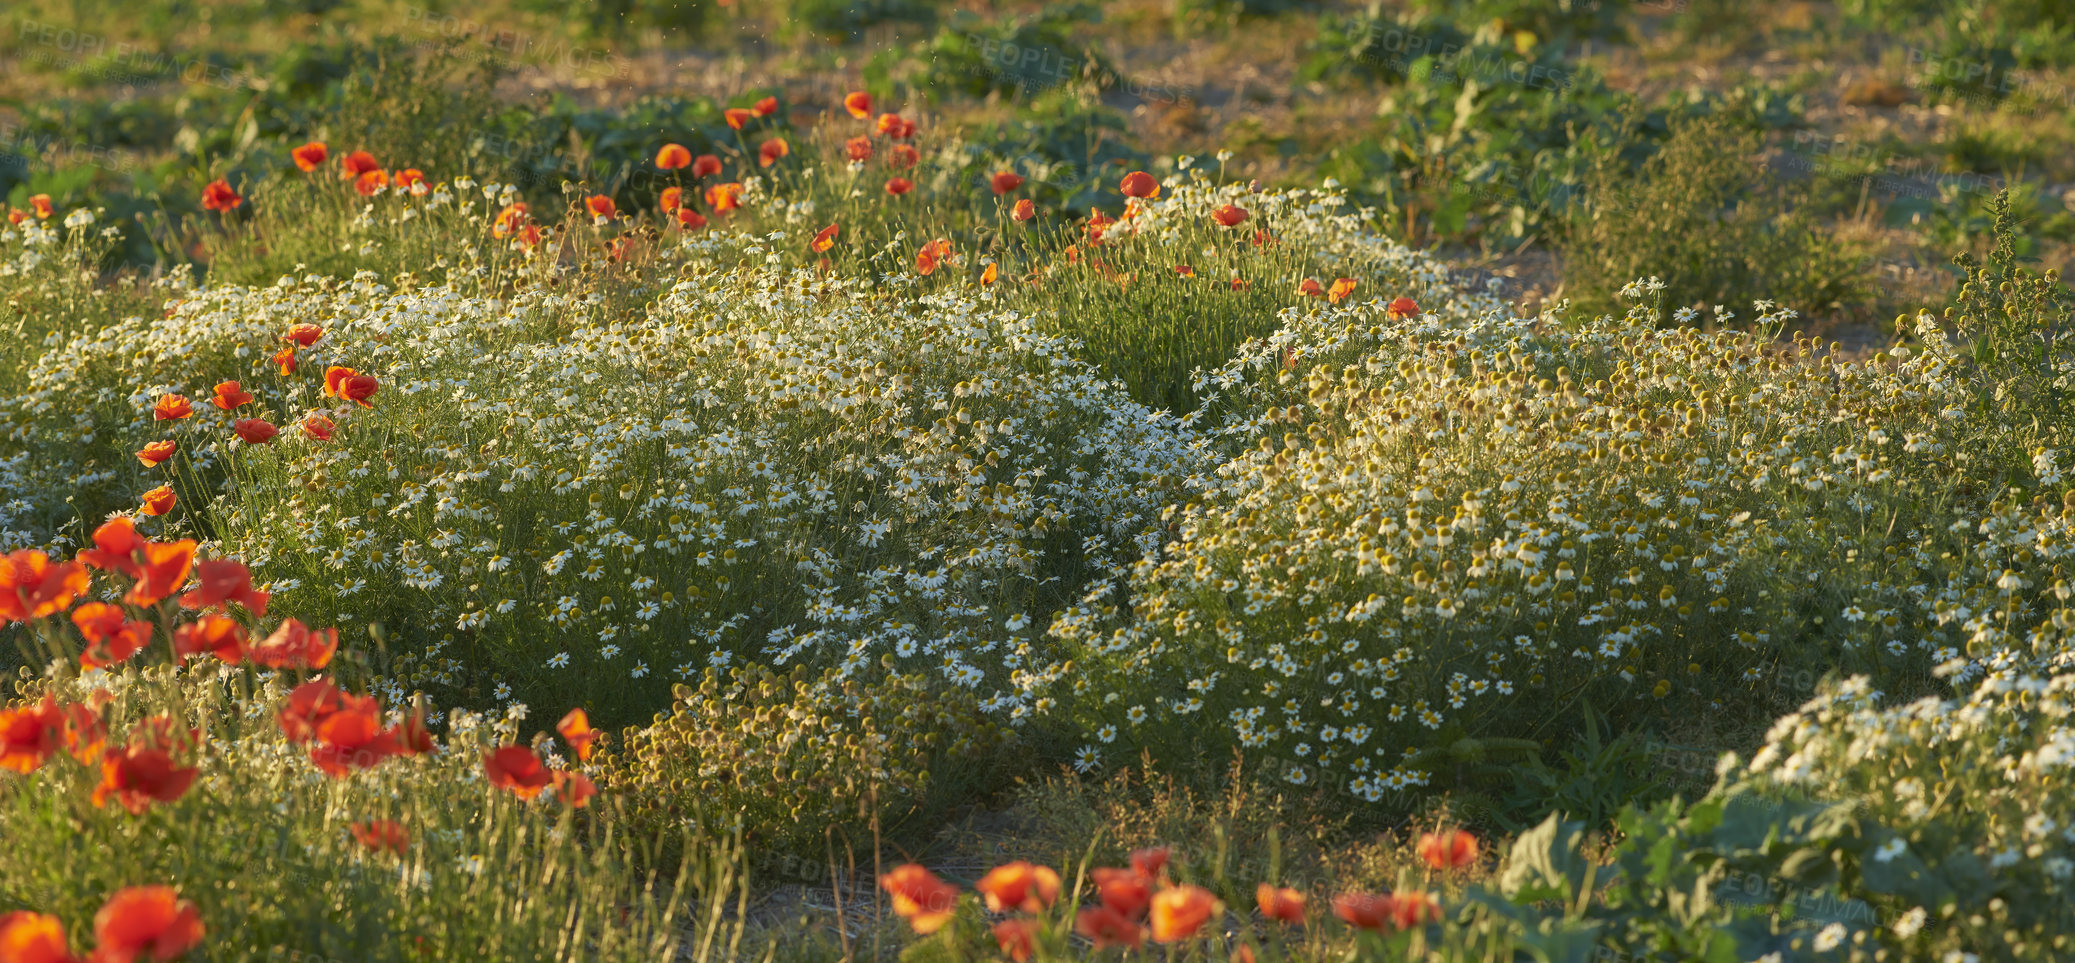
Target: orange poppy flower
514,216
765,107
221,581
171,408
576,728
706,165
989,273
925,901
824,239
858,103
858,149
517,769
352,738
1185,270
32,587
1364,911
30,735
146,920
724,197
1018,938
413,180
230,395
319,427
1309,287
368,182
1403,307
1262,238
672,199
906,156
1414,909
689,219
304,335
673,157
158,451
528,238
310,156
381,834
1005,182
294,645
770,151
601,206
1342,287
1122,891
27,937
899,185
355,164
110,637
218,196
1241,285
1286,905
1448,849
736,116
16,215
217,635
1230,215
138,775
164,570
1025,210
1018,886
574,788
1140,184
1106,928
1179,911
284,360
350,385
41,202
932,254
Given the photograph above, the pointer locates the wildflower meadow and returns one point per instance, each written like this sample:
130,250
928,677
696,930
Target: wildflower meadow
1185,480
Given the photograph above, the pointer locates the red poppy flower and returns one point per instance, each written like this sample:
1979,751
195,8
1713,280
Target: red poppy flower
988,274
27,937
218,196
1107,928
925,901
412,738
15,215
1139,184
892,125
413,180
140,774
1262,238
858,103
284,360
705,166
1342,287
116,544
143,920
110,637
1125,892
1241,285
905,156
517,769
576,728
600,206
1230,215
1018,938
574,788
1448,849
294,645
932,254
304,335
1185,270
355,164
689,219
1310,288
1286,905
221,581
41,202
1005,181
230,395
1403,307
724,197
1020,885
858,149
765,107
31,587
381,834
824,239
352,738
1413,909
770,151
171,408
318,427
309,704
369,182
899,185
514,216
1150,862
1025,210
673,157
672,199
164,570
528,238
736,116
30,735
217,635
158,451
310,156
1364,911
1179,911
350,385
